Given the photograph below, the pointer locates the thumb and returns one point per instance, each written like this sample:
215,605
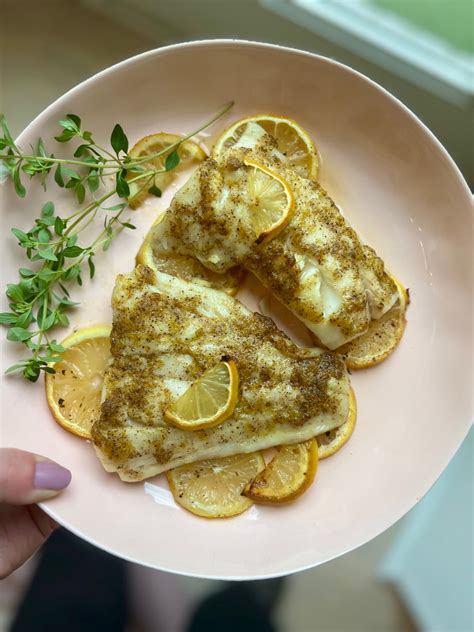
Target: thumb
27,478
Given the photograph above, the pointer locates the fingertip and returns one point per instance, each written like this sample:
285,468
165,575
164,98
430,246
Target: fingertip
27,478
51,476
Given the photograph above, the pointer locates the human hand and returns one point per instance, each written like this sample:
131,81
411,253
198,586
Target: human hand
25,479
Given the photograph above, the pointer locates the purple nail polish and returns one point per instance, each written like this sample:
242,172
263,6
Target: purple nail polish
51,476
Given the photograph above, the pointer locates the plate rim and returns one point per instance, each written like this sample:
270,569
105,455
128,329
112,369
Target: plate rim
248,43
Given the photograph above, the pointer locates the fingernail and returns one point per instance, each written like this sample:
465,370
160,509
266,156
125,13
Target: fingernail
50,475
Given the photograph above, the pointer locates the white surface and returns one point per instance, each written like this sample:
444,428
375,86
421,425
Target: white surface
399,187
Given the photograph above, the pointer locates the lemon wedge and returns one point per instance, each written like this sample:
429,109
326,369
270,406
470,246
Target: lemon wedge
287,476
74,391
293,141
209,400
213,488
189,153
270,200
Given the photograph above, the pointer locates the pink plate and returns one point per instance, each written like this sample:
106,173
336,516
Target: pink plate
398,187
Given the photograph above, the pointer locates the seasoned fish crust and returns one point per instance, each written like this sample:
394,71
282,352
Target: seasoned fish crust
316,266
166,333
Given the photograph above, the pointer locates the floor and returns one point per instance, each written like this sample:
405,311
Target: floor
344,595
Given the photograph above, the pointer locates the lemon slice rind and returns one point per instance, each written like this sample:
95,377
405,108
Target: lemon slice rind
188,151
333,440
269,191
275,486
74,392
294,142
382,337
209,401
213,488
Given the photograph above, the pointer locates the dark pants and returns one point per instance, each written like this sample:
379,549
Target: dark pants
79,588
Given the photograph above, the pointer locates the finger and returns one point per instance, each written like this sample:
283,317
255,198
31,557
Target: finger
22,531
27,478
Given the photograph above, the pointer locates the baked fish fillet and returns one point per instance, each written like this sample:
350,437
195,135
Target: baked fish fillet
166,333
317,266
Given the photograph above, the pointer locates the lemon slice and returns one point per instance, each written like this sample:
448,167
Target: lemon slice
270,199
188,152
294,142
184,267
213,488
74,391
209,400
331,441
287,476
403,297
381,338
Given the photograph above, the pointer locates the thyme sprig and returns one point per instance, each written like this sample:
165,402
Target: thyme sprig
56,260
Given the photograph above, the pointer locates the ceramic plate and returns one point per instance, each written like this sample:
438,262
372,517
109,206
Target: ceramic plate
401,191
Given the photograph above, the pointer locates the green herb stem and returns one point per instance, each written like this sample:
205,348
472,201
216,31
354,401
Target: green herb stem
42,295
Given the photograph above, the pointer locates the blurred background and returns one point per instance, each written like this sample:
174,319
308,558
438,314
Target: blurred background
418,574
